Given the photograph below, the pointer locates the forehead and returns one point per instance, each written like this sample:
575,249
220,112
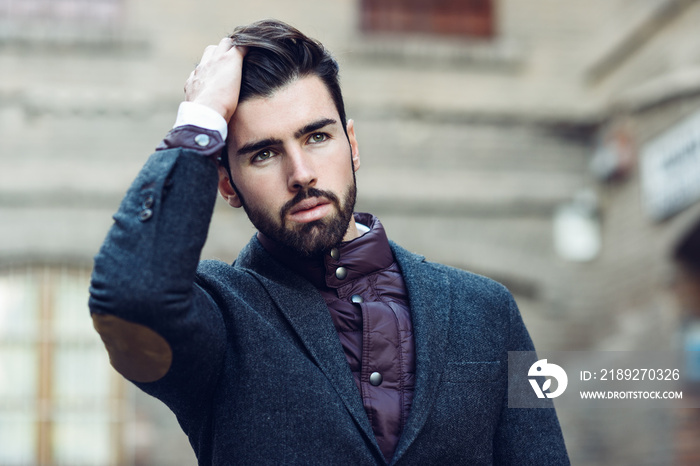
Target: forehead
279,116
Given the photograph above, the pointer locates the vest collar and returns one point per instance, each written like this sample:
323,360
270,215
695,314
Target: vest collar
341,265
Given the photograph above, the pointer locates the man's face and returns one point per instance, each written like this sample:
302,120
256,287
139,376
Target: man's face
293,166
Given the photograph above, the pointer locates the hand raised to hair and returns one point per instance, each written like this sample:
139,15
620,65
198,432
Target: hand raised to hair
216,81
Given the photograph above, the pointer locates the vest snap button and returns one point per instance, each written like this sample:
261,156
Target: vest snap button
341,273
375,378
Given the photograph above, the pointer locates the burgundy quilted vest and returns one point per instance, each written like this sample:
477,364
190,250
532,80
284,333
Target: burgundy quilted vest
366,296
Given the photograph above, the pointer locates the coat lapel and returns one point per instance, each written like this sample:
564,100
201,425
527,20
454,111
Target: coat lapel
428,292
307,314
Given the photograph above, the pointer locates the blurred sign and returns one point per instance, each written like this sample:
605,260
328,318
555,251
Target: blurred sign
670,169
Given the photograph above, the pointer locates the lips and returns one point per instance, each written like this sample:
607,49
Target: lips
309,210
307,204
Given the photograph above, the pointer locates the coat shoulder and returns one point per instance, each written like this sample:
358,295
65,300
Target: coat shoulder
217,276
462,283
470,285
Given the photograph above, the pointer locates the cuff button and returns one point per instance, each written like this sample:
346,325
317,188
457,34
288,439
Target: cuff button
202,140
145,214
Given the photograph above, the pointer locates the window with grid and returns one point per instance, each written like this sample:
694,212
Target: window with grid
60,402
467,18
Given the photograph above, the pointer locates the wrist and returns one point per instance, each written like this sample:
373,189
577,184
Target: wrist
206,142
214,106
202,116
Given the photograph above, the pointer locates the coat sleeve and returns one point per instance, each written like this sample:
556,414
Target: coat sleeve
158,326
527,435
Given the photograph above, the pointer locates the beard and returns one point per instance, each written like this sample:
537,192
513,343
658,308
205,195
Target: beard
312,238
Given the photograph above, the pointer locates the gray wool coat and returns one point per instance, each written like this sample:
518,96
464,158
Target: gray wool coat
248,359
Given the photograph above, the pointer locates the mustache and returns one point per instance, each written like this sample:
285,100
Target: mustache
305,194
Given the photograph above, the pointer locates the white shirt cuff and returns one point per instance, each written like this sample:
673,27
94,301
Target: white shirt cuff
190,113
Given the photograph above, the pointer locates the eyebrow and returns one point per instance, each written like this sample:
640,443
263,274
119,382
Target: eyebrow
263,143
314,126
258,145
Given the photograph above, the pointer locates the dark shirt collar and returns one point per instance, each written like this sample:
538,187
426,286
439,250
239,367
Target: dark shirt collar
359,257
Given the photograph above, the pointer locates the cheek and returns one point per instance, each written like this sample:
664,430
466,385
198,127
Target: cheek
346,173
249,183
261,194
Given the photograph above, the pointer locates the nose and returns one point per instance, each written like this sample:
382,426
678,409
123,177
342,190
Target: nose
301,173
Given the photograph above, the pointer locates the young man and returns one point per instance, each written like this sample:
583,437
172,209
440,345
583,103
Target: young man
323,343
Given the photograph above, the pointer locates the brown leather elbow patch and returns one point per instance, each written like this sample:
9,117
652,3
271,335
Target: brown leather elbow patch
135,351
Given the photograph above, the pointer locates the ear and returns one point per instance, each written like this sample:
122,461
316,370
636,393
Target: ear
226,189
354,149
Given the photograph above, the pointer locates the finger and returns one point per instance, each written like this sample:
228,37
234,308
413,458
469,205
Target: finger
224,46
189,85
208,53
239,49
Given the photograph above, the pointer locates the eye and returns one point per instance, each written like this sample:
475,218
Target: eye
263,155
317,137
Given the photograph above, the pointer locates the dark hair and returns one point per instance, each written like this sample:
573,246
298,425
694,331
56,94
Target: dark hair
279,54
